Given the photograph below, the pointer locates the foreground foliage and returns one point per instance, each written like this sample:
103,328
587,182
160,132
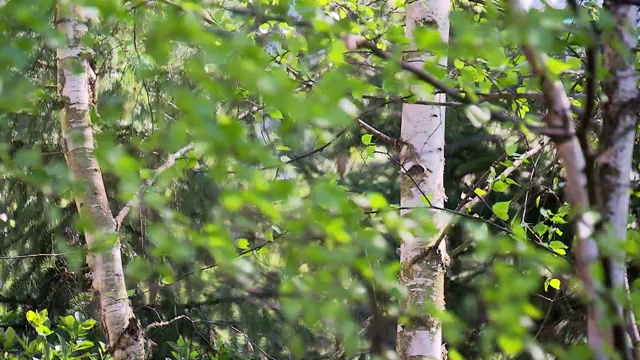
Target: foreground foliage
255,242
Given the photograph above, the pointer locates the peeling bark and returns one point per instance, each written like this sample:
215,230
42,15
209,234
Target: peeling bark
422,159
125,338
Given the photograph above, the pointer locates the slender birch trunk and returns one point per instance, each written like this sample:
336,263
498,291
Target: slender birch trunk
585,248
422,158
125,338
620,118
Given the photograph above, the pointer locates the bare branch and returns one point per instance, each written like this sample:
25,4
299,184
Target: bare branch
29,256
505,173
377,133
165,323
147,183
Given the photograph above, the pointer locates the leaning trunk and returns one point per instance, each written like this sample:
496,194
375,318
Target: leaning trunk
620,116
74,78
422,159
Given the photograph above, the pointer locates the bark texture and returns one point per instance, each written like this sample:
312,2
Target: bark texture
422,159
573,158
125,338
620,116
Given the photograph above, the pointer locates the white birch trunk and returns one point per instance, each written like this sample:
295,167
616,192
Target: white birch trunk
620,116
422,158
125,338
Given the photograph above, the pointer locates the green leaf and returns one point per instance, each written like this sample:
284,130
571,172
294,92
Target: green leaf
377,201
557,67
366,139
500,186
31,316
510,181
426,199
479,192
540,228
370,150
555,283
501,209
511,345
477,116
243,243
558,245
232,202
83,345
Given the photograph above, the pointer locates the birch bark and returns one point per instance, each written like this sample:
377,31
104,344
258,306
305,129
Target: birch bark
422,159
620,118
123,330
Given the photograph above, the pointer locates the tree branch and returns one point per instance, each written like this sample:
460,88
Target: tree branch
354,42
165,323
147,183
377,133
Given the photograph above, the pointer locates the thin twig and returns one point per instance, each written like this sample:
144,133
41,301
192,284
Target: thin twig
507,171
28,256
165,323
377,133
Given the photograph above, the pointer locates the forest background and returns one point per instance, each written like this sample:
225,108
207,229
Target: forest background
233,179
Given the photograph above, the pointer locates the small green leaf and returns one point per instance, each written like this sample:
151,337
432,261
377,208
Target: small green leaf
479,192
370,150
511,345
540,229
83,345
366,139
557,67
276,114
427,200
377,201
511,149
510,181
555,283
558,245
501,209
500,186
477,116
31,316
232,202
243,243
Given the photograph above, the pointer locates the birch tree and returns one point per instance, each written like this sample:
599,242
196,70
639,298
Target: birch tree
75,76
613,166
422,159
599,180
